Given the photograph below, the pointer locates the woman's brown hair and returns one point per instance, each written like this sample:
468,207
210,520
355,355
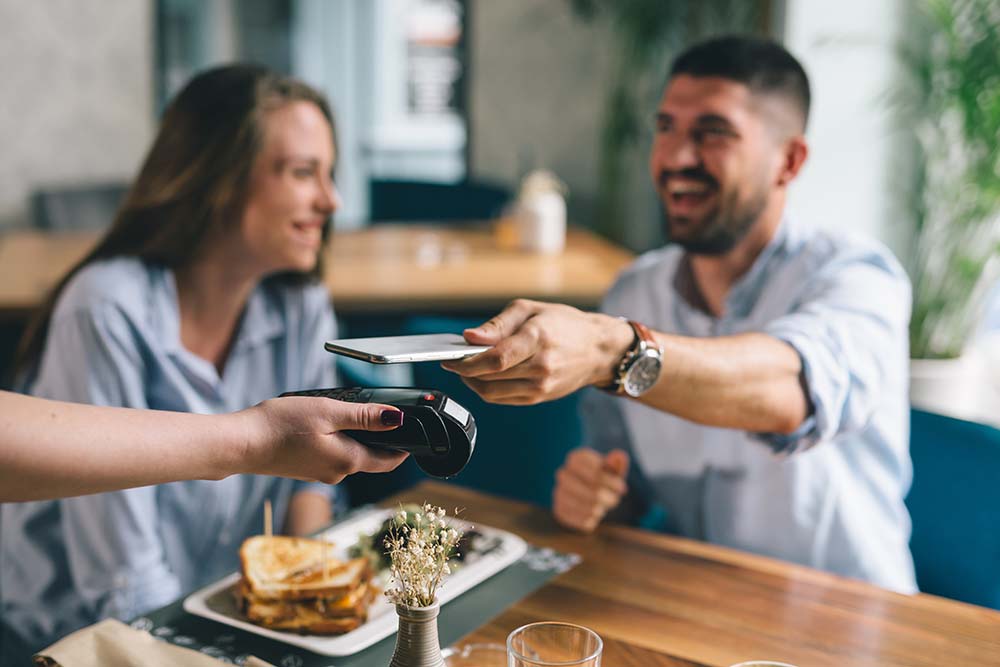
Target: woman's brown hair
194,181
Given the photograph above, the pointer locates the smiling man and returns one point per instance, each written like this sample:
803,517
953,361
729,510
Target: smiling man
755,369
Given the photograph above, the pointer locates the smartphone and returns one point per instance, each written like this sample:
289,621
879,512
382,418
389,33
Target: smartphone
405,349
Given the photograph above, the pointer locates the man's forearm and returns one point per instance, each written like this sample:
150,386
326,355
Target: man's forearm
542,352
748,381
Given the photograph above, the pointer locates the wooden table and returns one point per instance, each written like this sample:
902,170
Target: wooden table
391,268
660,600
31,263
379,269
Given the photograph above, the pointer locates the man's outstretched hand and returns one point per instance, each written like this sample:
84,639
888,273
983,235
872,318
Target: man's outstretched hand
541,352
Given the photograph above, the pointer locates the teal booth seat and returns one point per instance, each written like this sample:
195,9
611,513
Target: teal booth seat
415,201
955,506
518,448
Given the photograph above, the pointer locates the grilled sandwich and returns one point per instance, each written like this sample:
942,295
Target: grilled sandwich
290,583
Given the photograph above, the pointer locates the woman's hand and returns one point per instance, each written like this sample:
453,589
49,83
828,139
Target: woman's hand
299,436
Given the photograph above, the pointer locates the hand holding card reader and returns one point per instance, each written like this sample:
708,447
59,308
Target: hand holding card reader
438,432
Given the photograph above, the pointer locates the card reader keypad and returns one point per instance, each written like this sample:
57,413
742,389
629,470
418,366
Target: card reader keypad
351,395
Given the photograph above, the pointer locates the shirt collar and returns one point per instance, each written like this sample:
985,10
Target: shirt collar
262,320
746,290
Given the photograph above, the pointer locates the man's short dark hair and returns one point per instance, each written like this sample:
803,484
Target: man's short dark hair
764,66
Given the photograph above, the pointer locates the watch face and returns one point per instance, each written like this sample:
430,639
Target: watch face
642,374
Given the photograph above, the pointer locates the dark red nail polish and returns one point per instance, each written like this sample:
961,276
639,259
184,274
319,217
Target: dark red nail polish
392,417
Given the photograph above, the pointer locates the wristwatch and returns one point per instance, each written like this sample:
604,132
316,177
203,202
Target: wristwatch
639,369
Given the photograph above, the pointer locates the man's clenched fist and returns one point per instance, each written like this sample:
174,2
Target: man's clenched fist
588,486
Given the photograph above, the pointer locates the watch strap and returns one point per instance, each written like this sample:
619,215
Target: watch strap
643,335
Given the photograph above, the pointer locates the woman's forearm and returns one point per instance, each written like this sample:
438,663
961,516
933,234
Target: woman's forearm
52,449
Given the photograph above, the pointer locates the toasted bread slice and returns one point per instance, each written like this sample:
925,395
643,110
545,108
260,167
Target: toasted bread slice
342,579
277,557
313,623
353,605
293,568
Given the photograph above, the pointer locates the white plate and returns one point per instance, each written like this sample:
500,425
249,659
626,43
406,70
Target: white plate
216,601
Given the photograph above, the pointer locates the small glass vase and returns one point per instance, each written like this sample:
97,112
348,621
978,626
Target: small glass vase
417,643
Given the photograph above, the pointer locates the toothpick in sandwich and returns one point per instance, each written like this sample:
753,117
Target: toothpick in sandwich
326,558
267,517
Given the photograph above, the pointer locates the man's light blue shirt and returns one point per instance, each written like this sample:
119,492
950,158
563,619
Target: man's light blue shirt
830,495
114,339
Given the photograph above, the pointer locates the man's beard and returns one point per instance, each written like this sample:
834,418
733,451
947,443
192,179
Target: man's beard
721,229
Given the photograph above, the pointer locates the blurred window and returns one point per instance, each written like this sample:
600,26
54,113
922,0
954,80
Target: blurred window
394,71
193,34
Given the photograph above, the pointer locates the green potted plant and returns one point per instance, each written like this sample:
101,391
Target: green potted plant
952,105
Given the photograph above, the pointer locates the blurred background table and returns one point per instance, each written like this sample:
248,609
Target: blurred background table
417,268
384,269
30,264
665,601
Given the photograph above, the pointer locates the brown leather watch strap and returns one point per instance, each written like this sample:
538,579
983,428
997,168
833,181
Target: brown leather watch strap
642,335
643,332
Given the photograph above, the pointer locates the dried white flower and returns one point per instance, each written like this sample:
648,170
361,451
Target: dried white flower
419,551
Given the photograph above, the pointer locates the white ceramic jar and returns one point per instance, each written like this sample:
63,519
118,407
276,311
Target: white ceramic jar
540,213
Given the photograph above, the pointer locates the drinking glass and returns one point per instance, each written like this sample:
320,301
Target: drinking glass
554,643
762,663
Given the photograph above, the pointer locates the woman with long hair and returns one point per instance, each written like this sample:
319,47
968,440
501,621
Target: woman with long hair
202,297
